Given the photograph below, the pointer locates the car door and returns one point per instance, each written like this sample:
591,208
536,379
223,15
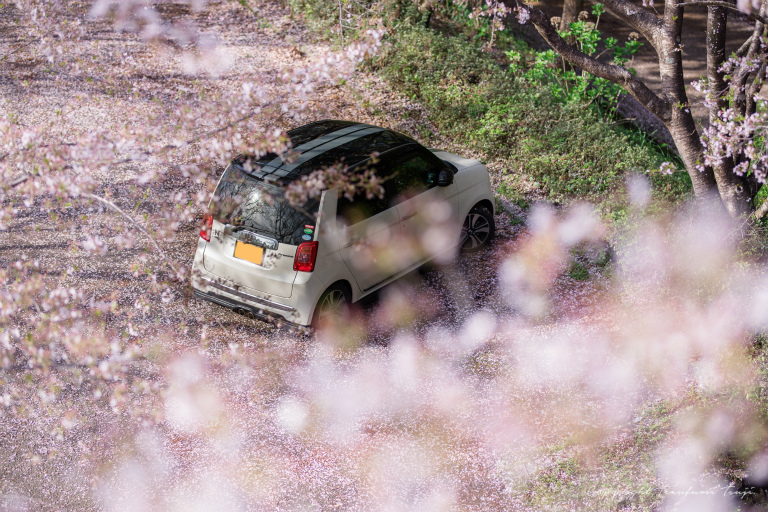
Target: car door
368,230
429,222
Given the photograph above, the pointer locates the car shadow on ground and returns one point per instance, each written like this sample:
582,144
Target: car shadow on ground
434,296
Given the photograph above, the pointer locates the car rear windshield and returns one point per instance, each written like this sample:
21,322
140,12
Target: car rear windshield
246,202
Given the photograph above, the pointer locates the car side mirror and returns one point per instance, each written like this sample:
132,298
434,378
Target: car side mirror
445,178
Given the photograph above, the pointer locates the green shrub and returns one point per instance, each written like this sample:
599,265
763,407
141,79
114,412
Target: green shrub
565,84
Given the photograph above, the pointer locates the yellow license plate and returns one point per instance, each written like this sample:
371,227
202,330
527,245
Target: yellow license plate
249,252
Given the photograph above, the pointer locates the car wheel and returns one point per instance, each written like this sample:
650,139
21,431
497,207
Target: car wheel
478,230
333,306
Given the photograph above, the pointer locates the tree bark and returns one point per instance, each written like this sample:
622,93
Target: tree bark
735,191
681,124
645,22
571,10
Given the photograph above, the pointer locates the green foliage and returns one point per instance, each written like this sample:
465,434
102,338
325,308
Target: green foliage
564,82
323,16
761,197
479,28
759,353
753,241
514,196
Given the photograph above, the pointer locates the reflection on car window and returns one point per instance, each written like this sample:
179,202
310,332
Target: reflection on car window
243,201
412,174
313,131
353,152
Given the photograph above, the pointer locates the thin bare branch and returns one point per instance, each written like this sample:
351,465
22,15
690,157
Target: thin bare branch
645,22
223,128
740,77
22,179
18,181
109,204
34,40
726,5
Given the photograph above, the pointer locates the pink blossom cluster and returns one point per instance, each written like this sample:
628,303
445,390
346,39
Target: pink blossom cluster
493,9
733,136
336,177
496,10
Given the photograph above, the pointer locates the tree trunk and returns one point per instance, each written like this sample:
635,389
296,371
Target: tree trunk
571,10
735,191
681,124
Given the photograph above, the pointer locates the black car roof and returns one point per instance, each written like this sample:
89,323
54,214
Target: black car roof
323,143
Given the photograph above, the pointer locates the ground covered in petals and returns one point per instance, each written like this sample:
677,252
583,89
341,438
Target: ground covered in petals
516,378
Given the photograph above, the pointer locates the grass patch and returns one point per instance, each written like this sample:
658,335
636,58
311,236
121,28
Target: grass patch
561,152
578,271
618,475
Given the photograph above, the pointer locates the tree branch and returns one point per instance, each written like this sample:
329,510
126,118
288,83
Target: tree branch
726,5
760,212
645,22
745,46
739,81
617,74
150,152
754,89
732,187
717,19
137,225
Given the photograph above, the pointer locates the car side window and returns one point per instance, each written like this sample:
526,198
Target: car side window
412,174
359,208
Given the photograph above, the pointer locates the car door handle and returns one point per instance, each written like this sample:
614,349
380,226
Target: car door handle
408,216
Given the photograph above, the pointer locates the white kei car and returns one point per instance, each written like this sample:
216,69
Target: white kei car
264,257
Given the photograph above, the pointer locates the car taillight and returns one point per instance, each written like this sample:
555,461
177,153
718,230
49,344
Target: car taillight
205,230
306,254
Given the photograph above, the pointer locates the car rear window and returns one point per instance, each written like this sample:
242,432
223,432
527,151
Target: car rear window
244,201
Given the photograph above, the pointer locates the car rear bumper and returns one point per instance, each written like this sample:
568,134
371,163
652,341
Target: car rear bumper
294,310
262,302
247,309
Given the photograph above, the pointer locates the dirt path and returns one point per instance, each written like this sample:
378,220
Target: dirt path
174,323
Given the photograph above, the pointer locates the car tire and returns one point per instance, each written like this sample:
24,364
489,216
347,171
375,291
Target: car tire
478,230
333,306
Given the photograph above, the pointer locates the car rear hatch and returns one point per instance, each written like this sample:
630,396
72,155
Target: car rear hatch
256,232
